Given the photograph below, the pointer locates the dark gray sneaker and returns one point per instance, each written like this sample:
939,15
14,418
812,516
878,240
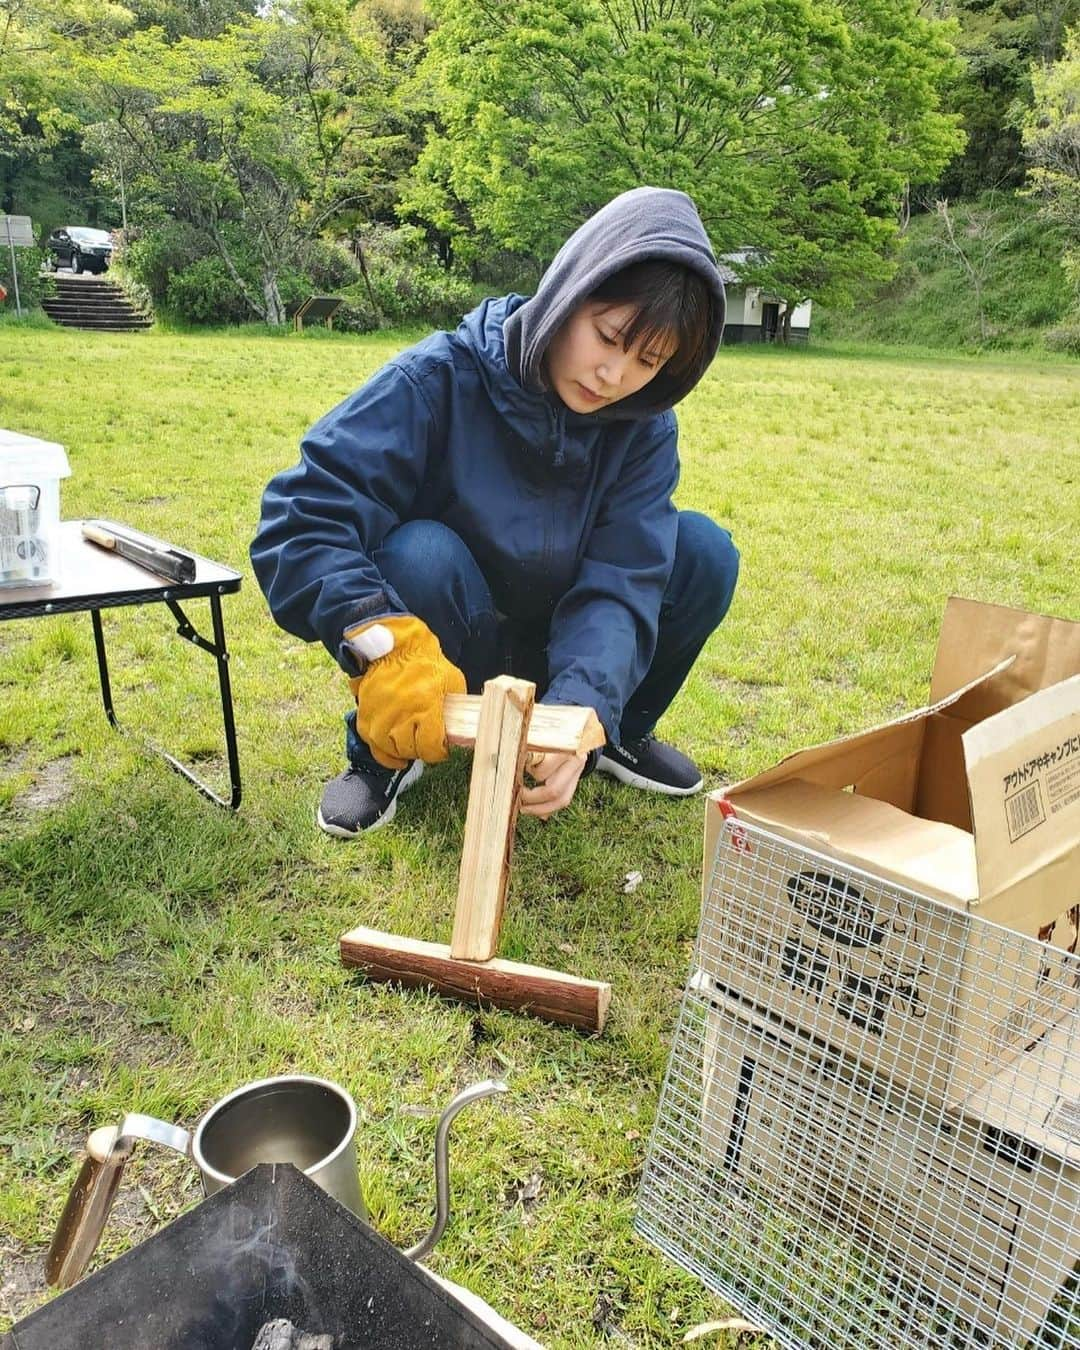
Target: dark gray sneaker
364,799
652,765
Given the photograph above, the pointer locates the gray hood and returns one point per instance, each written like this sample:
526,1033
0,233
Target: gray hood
645,222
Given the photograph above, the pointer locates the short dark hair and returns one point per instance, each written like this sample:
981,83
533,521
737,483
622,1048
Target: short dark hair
671,301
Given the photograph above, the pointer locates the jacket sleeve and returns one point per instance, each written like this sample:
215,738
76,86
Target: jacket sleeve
360,470
603,632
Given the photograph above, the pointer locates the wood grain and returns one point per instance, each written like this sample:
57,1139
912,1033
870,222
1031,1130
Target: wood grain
494,797
547,994
553,727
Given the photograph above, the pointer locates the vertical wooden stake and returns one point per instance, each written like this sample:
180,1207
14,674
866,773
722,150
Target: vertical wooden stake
494,796
501,727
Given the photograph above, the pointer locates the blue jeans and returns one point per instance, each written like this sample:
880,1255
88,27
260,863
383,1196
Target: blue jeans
440,582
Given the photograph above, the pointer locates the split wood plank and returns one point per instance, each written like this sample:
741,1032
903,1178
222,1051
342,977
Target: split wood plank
548,994
494,796
556,729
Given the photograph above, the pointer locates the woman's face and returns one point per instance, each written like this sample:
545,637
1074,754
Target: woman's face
587,365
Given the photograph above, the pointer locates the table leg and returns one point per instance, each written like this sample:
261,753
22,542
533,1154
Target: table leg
220,652
103,666
225,688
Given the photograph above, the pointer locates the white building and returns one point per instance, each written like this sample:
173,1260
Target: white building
754,315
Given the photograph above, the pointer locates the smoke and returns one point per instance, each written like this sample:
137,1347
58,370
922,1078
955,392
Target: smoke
254,1276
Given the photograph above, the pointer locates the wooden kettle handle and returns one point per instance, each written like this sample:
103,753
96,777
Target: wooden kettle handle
87,1210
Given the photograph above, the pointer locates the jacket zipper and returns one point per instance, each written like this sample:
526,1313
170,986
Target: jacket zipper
558,459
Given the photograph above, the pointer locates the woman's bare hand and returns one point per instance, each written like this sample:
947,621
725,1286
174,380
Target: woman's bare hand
557,777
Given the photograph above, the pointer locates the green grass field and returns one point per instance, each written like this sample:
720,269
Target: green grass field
156,952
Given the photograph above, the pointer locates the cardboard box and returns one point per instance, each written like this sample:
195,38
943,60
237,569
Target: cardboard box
879,890
974,1212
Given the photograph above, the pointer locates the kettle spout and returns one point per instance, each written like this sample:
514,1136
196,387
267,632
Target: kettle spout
488,1088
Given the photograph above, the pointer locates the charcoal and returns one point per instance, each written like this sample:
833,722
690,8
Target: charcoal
281,1334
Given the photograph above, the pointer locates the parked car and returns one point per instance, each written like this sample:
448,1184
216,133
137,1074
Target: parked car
79,247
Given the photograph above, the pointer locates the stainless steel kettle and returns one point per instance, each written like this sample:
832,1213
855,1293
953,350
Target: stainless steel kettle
309,1122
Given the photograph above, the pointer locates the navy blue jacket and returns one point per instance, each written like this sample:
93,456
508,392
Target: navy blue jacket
569,516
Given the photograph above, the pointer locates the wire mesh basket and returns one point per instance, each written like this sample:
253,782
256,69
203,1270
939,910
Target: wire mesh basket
869,1131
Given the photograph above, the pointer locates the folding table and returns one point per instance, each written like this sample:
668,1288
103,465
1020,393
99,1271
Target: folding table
94,579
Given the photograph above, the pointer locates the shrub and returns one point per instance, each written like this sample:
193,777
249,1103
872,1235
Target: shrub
408,294
356,316
34,286
206,293
1065,337
153,258
136,292
293,286
499,270
408,284
329,267
179,268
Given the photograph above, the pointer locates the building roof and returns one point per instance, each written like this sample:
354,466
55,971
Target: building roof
729,264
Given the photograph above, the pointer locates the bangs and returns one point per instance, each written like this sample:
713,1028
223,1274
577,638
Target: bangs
672,304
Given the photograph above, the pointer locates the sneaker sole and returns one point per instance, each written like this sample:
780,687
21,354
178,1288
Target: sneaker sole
339,832
625,775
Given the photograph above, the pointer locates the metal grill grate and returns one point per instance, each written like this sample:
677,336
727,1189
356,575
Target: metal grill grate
869,1131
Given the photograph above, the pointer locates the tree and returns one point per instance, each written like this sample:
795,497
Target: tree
841,183
258,137
402,27
784,121
999,42
974,250
43,105
191,18
1052,141
40,101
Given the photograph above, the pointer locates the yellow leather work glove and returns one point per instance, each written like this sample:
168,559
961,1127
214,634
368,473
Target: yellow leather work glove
399,698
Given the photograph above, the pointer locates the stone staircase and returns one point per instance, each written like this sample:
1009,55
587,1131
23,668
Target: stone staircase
93,302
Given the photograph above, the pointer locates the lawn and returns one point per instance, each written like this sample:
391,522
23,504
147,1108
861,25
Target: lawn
156,952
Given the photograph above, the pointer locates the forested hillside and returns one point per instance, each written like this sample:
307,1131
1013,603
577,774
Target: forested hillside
996,280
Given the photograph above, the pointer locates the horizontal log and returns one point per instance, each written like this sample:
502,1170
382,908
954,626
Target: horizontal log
547,994
552,727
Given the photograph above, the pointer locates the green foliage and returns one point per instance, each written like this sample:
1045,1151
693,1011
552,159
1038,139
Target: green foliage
138,294
258,131
406,284
183,271
155,255
52,184
266,132
34,285
204,292
212,290
181,18
1052,139
328,267
785,122
931,301
408,295
177,266
43,171
1000,42
1064,337
403,24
